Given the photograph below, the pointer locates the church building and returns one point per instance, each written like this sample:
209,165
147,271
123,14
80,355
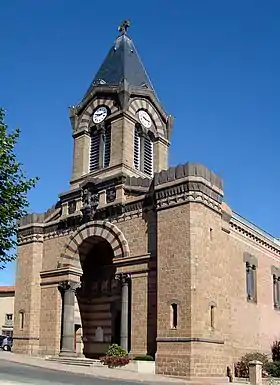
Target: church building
139,253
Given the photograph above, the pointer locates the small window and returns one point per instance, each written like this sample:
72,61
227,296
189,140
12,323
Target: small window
276,291
211,234
9,319
212,316
251,285
174,315
21,319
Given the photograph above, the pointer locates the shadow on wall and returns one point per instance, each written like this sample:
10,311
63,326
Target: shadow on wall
150,217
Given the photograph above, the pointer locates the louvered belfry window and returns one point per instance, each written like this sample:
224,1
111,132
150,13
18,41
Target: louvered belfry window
100,149
107,147
94,151
143,153
137,149
148,156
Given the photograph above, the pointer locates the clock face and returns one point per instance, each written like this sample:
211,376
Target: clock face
145,118
99,115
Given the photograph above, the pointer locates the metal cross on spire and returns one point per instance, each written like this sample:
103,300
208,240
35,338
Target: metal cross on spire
123,27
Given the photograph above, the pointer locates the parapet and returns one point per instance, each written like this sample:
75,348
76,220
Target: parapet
37,218
187,170
175,173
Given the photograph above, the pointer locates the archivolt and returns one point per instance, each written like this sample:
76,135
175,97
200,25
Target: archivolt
105,230
138,104
86,116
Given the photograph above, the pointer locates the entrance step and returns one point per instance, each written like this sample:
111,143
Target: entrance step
77,361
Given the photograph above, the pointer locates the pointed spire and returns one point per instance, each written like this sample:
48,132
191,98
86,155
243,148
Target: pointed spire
122,63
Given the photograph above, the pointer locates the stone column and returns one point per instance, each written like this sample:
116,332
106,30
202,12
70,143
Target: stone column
68,289
124,278
255,372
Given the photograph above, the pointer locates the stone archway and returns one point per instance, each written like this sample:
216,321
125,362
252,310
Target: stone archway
102,293
110,232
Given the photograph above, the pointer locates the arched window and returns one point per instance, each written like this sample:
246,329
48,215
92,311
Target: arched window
21,319
174,315
212,307
100,148
143,152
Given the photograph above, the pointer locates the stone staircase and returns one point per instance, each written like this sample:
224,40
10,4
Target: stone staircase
77,361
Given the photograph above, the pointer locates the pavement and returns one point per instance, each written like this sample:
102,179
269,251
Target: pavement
16,369
12,373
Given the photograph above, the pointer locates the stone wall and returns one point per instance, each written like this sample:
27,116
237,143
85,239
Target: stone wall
50,320
28,298
184,249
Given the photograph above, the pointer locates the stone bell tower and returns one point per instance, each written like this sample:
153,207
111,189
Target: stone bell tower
119,127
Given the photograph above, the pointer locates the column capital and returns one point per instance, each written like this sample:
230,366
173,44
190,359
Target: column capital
69,286
124,278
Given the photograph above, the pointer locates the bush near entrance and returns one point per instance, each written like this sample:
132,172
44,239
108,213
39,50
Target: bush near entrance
241,368
116,356
270,368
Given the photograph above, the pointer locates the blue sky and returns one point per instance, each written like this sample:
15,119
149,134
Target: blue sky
214,64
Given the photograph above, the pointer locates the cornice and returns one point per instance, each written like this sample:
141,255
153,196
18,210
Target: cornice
162,197
61,271
137,259
186,197
265,241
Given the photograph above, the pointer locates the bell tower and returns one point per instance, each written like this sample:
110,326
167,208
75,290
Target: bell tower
119,127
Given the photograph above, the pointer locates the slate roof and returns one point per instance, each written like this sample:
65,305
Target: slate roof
122,62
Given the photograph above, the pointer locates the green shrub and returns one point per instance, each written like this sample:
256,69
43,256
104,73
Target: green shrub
116,351
241,368
275,350
115,356
143,358
272,368
114,362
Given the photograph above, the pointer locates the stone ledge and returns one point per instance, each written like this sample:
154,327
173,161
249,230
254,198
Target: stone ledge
189,339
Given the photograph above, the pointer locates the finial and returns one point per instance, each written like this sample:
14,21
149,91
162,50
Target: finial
123,27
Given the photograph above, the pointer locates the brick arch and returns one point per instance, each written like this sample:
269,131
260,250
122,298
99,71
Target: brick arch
106,230
138,104
86,116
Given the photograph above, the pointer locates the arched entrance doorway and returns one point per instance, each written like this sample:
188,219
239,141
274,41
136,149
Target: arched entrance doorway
103,296
99,298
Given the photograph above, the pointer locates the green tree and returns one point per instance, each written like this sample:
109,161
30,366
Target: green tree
14,186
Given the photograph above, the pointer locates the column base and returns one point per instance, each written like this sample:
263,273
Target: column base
67,353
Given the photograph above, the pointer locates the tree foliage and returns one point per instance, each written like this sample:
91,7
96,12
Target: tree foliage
14,186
